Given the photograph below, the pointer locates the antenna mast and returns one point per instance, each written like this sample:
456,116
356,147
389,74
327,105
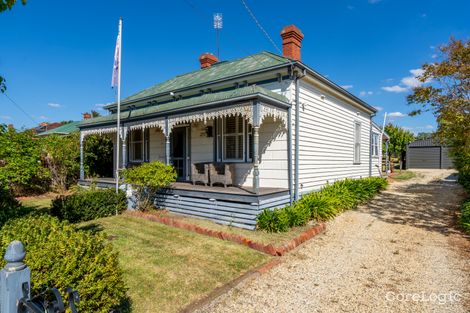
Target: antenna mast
218,23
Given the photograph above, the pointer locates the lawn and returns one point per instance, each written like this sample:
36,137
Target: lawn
167,268
404,175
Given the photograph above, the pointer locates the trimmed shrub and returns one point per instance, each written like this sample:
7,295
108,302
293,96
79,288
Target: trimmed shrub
322,205
147,179
88,205
61,256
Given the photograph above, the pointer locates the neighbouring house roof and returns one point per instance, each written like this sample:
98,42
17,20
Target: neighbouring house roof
219,70
204,99
424,143
65,129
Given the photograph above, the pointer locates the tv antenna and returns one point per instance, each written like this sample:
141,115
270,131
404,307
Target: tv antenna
218,23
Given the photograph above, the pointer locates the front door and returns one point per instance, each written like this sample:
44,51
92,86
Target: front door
180,152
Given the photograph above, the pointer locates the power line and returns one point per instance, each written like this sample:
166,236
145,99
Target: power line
20,108
260,26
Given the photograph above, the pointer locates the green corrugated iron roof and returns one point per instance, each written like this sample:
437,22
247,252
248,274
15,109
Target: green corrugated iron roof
189,102
65,129
217,71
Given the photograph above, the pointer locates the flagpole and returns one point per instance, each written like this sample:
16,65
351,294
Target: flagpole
118,132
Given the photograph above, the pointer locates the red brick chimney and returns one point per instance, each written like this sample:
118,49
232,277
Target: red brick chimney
207,59
291,42
86,116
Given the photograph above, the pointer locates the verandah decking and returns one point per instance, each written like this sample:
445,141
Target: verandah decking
234,206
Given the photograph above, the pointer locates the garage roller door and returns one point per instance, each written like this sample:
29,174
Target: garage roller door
424,157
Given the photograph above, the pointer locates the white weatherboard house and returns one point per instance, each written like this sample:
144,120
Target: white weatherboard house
268,127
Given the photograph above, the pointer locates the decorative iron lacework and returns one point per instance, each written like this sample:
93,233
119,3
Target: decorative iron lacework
98,131
274,112
158,123
244,110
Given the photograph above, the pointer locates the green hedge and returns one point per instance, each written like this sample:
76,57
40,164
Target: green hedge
322,205
88,205
9,206
61,256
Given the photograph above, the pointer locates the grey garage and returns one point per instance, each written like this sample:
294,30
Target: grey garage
427,153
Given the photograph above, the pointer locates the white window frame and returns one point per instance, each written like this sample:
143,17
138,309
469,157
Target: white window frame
132,143
375,145
236,134
357,142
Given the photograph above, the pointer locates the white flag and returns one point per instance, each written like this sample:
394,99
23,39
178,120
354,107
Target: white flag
117,59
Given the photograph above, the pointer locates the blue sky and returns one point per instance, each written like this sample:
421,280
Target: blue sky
57,55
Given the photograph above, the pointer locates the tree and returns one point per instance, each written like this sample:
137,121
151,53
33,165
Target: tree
98,158
21,166
61,156
445,91
424,135
399,139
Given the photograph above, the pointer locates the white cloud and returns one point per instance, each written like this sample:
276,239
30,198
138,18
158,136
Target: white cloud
378,108
434,56
374,1
365,93
395,88
5,117
347,86
100,106
429,127
407,83
42,118
54,105
396,114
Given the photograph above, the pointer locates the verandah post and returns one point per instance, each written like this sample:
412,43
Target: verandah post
125,130
166,132
256,124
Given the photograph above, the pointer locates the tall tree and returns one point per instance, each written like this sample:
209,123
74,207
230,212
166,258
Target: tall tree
399,139
445,91
424,135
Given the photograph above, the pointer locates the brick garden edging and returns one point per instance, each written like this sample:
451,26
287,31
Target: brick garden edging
268,249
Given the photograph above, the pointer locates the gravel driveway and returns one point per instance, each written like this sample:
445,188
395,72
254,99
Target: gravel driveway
400,253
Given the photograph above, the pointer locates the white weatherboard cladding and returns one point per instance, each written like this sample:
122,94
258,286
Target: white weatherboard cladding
327,139
273,157
156,145
202,147
377,161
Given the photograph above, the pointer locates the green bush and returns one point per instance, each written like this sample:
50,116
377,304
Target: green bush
322,205
147,179
88,205
465,216
61,256
9,206
275,220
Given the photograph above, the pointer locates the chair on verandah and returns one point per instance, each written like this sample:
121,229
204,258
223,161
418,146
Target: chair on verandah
200,173
221,173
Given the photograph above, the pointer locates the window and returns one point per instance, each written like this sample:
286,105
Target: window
357,142
137,146
375,145
233,134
